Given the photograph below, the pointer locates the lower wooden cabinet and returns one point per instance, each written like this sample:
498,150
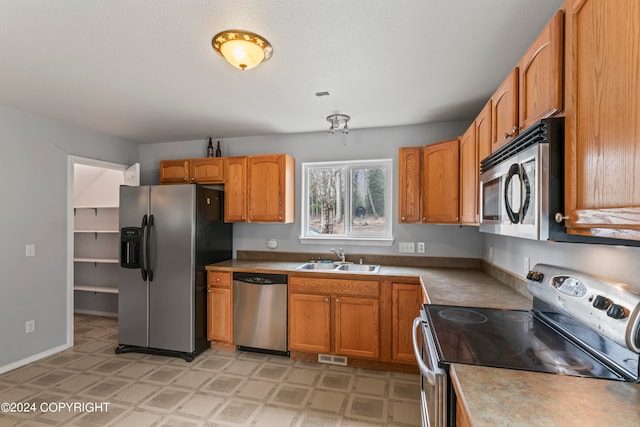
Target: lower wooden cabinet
357,327
406,299
340,316
310,323
219,307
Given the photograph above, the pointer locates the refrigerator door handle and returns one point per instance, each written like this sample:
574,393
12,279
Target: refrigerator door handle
148,250
143,267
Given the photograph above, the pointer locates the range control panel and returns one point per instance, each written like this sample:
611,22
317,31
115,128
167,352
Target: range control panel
610,308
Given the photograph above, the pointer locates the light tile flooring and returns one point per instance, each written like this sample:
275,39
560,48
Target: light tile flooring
216,389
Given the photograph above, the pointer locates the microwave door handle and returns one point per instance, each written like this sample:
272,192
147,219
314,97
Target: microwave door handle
514,216
424,369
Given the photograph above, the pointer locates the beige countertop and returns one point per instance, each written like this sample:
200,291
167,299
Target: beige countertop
505,397
492,396
451,286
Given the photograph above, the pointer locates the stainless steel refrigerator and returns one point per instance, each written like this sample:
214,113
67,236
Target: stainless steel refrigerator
168,233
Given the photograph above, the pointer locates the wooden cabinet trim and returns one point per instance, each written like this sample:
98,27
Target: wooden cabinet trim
337,286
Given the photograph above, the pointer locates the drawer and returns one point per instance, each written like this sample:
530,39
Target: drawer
337,286
218,279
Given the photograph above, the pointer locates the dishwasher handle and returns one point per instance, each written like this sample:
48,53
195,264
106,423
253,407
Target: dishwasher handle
261,279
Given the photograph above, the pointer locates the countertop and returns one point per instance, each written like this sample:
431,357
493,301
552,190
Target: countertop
452,286
493,396
505,397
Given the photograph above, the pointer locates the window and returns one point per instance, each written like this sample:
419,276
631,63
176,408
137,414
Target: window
347,201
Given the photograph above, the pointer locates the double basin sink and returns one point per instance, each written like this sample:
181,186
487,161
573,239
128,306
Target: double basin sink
339,267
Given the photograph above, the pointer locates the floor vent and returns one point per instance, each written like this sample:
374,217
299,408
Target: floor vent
332,360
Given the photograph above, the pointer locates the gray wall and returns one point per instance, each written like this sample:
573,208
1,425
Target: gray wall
33,190
441,240
621,263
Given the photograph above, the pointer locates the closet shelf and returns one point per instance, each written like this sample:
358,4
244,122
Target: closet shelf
101,289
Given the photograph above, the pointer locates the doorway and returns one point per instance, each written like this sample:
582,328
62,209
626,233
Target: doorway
93,199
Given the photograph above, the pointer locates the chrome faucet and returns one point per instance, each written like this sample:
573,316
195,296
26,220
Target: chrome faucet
340,254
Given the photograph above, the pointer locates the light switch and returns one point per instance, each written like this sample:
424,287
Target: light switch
30,250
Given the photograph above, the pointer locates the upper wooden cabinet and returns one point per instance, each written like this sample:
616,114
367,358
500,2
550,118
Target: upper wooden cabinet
259,189
174,172
207,171
469,176
602,164
235,189
270,188
504,111
483,132
541,74
440,177
188,171
409,167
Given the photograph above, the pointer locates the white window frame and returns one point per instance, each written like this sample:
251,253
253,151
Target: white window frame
377,239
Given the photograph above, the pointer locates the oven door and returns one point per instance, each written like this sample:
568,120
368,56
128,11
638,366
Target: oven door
433,379
509,196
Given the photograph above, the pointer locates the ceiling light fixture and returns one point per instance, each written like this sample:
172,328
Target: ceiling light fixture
336,120
242,49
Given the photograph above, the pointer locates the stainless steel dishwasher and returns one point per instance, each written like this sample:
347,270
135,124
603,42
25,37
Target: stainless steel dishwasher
260,312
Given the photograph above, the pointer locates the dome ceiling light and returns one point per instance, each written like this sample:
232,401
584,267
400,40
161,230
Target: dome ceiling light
242,49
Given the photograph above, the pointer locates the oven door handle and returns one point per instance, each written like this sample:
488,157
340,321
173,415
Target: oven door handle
424,369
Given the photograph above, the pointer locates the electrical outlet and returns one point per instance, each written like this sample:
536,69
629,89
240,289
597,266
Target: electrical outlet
30,250
421,247
406,247
527,265
29,326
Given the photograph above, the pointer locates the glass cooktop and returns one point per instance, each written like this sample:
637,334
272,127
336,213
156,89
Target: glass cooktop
507,339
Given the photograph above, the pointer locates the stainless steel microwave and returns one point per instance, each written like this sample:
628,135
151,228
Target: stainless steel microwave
521,183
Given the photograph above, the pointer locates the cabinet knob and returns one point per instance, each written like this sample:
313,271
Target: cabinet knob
279,218
326,300
209,290
217,279
337,300
559,217
403,218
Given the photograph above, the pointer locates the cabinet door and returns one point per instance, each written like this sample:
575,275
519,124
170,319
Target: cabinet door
406,301
469,175
409,161
219,315
235,189
483,132
357,327
440,189
207,171
541,71
174,171
504,114
268,194
310,323
602,160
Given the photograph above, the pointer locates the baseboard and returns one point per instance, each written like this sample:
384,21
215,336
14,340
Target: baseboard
34,358
95,313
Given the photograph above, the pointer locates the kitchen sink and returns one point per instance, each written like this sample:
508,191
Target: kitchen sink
339,267
360,268
317,266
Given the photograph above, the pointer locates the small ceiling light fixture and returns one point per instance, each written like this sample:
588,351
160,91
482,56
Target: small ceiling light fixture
336,120
242,49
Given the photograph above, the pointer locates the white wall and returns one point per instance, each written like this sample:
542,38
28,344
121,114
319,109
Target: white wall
441,240
33,191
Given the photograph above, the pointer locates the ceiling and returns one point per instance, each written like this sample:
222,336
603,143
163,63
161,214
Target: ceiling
145,71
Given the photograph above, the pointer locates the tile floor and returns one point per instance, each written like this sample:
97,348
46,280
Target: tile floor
216,389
